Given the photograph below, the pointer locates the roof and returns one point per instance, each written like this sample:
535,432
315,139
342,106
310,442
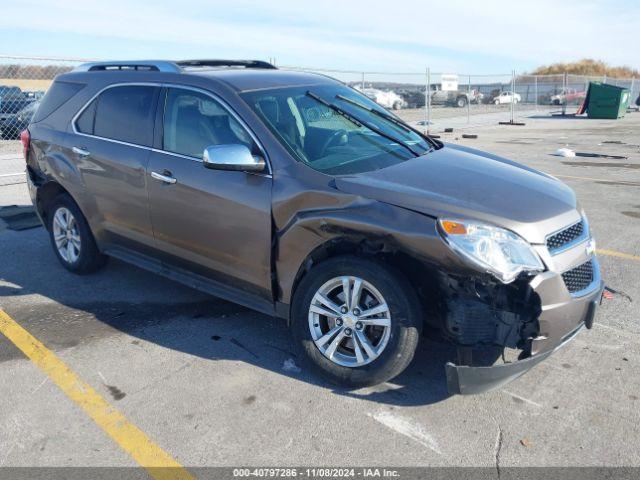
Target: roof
244,80
241,75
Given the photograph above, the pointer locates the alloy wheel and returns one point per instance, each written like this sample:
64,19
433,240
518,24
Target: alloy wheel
350,321
66,235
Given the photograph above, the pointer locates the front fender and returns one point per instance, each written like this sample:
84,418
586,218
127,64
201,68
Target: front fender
363,222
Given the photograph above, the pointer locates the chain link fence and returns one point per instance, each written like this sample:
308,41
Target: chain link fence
460,100
454,100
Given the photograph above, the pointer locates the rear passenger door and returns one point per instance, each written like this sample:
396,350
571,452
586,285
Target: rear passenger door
211,222
112,143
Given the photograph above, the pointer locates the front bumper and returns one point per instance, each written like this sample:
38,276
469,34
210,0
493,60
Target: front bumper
563,316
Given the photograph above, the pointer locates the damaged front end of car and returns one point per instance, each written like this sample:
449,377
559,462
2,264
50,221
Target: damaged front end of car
501,331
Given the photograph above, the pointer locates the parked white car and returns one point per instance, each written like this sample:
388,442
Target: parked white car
387,99
506,97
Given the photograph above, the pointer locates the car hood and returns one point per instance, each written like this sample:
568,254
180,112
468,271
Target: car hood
464,183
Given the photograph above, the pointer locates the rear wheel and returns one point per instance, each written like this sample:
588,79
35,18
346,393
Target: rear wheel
356,320
72,240
461,101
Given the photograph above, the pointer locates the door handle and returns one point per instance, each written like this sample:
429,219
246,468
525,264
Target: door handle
83,152
163,178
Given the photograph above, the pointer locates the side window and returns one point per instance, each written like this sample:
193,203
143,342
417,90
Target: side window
194,121
57,95
84,123
126,114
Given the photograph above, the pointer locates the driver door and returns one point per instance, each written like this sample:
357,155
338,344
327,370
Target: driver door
214,223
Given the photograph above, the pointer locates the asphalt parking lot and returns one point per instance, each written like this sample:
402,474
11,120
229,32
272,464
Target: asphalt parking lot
214,384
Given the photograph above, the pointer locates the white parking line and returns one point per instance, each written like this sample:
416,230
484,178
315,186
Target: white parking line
525,400
406,427
11,174
615,329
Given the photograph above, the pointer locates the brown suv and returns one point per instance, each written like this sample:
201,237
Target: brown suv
297,196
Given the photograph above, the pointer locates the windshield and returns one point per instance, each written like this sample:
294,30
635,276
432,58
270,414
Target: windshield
331,128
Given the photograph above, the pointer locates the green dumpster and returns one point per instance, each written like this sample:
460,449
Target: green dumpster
606,101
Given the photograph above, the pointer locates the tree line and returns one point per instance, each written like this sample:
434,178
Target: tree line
44,72
587,66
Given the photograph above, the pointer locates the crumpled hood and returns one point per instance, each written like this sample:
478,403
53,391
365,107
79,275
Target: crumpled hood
460,182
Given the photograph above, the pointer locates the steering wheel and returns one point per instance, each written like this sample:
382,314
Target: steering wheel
338,136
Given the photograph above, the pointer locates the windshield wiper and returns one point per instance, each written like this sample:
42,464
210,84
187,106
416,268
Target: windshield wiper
358,122
386,116
390,118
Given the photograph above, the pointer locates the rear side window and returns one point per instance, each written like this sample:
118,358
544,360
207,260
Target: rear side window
125,114
84,123
57,95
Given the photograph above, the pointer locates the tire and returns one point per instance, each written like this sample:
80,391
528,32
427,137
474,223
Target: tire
461,102
496,102
77,252
387,358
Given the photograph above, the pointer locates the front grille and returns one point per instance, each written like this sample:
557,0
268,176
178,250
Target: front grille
578,278
563,237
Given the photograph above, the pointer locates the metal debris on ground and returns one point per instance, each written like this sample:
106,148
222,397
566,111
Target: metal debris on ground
600,155
565,152
519,124
19,217
609,293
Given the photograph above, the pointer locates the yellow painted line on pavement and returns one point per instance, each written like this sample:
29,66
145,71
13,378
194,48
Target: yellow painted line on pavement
158,463
613,253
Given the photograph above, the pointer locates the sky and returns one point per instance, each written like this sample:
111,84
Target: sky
466,37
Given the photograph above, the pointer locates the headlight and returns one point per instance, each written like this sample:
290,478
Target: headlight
491,249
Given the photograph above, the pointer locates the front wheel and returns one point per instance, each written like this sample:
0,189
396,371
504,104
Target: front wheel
356,320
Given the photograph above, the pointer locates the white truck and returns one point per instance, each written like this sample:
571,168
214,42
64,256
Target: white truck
448,93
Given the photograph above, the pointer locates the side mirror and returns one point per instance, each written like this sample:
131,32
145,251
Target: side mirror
232,157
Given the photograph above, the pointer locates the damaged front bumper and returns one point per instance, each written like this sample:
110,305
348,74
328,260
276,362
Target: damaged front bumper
563,316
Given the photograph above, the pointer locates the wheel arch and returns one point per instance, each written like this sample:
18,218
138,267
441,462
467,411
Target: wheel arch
422,276
45,196
403,239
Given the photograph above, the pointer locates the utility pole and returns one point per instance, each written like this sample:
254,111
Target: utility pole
427,101
513,94
469,100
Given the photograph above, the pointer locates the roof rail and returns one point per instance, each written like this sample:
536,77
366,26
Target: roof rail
226,63
168,66
145,65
